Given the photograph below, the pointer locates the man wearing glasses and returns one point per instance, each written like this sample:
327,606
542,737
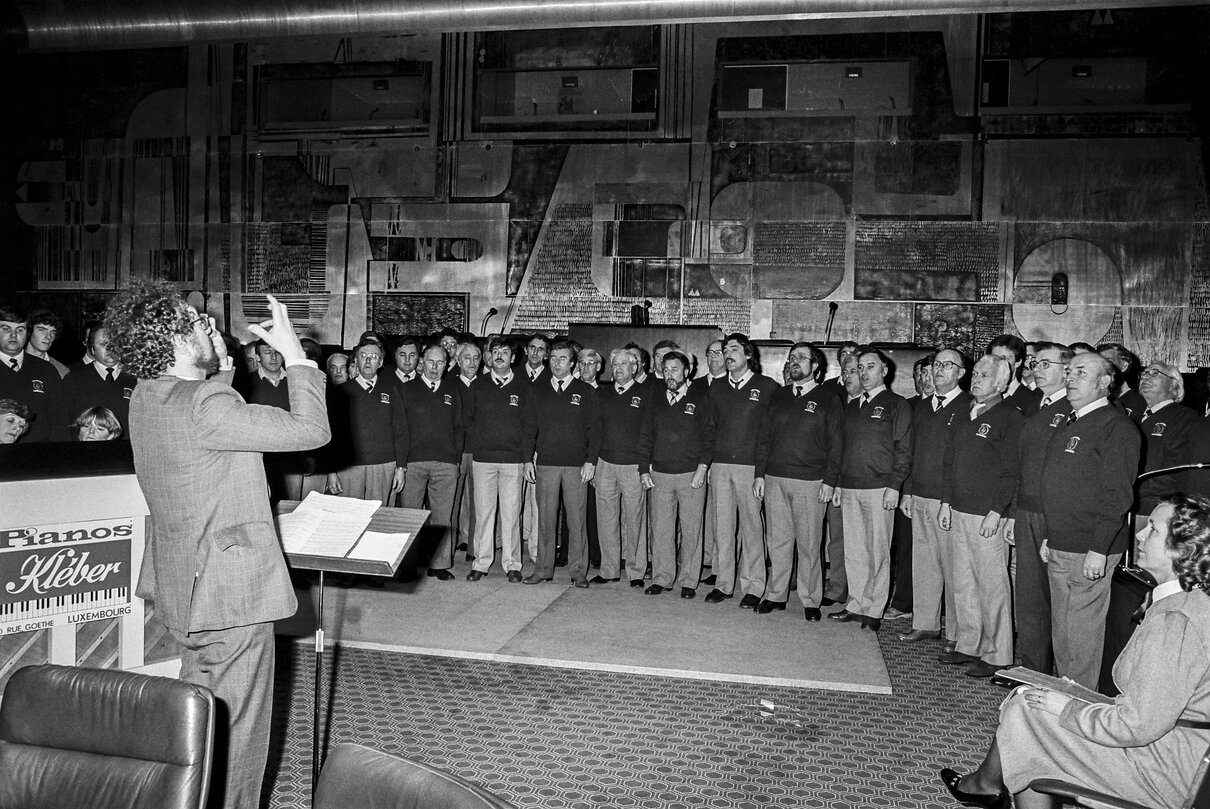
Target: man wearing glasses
1026,528
214,564
1166,428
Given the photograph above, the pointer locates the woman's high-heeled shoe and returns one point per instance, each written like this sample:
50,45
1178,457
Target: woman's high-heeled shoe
1000,800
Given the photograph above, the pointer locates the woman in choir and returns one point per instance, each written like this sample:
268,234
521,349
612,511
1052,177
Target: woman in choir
14,418
96,424
1147,744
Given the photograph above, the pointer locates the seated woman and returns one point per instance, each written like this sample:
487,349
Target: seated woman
14,418
1145,746
96,424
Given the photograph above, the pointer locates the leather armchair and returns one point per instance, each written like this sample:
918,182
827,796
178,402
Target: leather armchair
359,776
104,739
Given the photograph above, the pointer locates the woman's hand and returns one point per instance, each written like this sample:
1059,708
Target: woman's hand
1043,699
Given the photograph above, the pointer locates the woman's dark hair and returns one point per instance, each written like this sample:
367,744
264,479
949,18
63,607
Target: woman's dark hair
1189,536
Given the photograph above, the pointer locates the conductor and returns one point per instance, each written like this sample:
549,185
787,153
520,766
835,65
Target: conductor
213,563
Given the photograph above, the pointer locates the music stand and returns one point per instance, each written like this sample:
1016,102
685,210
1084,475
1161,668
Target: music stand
386,520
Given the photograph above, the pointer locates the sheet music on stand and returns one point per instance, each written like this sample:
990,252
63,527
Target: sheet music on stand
325,525
1026,676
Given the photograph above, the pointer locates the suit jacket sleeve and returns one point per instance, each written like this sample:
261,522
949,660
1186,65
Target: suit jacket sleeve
226,422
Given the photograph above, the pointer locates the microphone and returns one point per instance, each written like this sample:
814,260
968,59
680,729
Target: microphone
832,307
490,314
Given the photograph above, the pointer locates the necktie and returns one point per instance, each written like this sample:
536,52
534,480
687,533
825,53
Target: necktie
559,384
975,408
1146,414
108,375
734,384
673,398
433,387
1045,403
865,399
13,362
937,400
1071,417
797,392
499,382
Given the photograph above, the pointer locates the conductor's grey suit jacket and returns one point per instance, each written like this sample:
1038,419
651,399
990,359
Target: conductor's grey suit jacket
213,559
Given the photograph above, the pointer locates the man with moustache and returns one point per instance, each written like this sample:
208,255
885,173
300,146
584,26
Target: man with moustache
213,562
1087,489
621,499
932,549
433,410
675,447
495,437
797,467
739,412
562,435
1027,529
877,461
979,480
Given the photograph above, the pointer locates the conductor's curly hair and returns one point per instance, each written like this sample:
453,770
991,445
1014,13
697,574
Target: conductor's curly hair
142,320
1189,537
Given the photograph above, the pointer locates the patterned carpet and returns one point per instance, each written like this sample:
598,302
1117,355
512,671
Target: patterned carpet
562,738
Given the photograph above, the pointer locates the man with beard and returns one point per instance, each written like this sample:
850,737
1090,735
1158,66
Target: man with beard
797,465
675,446
213,563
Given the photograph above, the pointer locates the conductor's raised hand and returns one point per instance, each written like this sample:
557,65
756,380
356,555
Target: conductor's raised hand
277,332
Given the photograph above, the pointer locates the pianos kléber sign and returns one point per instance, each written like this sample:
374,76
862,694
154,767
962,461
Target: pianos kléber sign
51,575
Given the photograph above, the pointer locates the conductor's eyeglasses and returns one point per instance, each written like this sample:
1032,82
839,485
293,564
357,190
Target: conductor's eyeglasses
946,365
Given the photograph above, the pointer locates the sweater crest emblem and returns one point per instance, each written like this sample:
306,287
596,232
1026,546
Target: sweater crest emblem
636,401
1158,429
127,392
447,400
1058,420
575,399
514,400
754,395
810,407
36,386
384,398
690,409
877,414
1072,443
984,430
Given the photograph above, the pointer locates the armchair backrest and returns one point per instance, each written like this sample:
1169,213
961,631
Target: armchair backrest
101,738
359,776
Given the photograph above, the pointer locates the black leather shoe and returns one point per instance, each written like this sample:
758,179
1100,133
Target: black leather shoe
655,590
812,614
844,615
716,596
440,575
636,582
602,580
766,607
981,669
560,561
514,576
827,602
749,602
710,580
461,546
475,575
917,635
952,779
534,578
956,658
688,592
873,624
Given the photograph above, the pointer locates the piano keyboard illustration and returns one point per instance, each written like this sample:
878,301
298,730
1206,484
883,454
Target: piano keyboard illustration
57,605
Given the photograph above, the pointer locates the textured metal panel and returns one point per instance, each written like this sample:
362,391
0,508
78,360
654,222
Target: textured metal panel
141,23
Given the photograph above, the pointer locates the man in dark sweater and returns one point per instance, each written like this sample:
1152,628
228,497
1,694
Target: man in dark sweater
716,373
469,356
269,386
979,479
1087,490
797,468
1165,424
101,383
377,438
932,548
877,461
31,381
1126,365
563,435
739,413
621,501
495,436
1027,528
675,446
433,405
